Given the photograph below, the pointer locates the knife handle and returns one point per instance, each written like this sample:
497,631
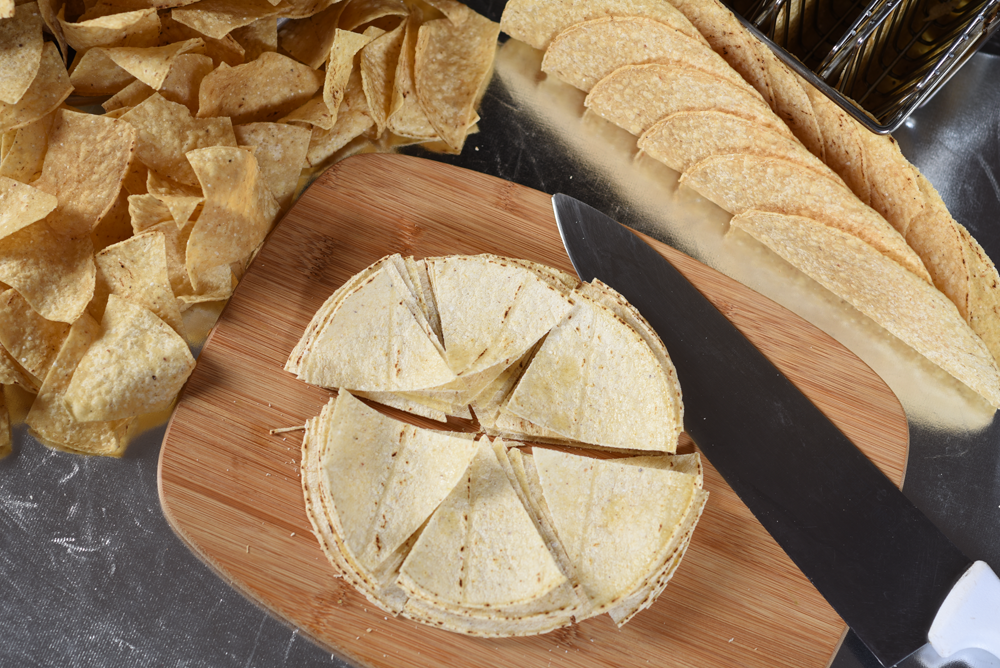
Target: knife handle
970,614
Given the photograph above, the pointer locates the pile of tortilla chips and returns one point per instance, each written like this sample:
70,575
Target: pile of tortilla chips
482,537
113,226
798,173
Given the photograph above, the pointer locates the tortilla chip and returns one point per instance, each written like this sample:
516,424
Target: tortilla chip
50,87
85,166
315,113
94,73
115,226
184,79
7,9
353,119
264,90
157,184
182,208
29,338
137,366
136,270
128,97
151,65
585,53
685,138
12,373
406,116
137,29
22,205
238,211
452,64
55,274
984,294
378,64
225,50
258,37
340,65
20,52
537,22
49,418
217,18
634,97
309,40
739,183
175,244
281,154
913,311
167,132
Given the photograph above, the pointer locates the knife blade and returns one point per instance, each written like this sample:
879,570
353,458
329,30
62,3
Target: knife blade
883,566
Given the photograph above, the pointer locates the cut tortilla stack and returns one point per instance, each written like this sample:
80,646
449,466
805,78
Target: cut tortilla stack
624,525
480,565
601,377
371,483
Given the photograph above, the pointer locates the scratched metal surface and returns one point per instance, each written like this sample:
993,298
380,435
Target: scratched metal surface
91,574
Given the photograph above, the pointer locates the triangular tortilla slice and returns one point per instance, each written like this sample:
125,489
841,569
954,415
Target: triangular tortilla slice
386,477
491,310
915,312
373,342
480,549
596,380
616,521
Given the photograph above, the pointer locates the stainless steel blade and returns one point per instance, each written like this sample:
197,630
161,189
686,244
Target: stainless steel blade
882,565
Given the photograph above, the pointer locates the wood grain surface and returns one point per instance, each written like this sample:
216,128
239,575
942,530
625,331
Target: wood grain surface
231,490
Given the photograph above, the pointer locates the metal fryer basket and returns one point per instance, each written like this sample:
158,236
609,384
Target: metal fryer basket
878,59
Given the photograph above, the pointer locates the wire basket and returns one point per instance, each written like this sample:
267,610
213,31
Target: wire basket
878,60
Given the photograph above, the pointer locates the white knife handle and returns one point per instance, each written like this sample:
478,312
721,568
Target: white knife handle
970,615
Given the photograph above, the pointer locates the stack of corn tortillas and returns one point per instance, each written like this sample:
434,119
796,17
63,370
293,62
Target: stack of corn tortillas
799,174
473,535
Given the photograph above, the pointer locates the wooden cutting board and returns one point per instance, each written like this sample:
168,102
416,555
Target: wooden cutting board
232,491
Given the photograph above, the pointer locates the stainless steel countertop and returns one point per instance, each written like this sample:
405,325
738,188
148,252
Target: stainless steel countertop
92,575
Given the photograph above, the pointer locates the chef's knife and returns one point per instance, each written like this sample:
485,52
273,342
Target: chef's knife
896,580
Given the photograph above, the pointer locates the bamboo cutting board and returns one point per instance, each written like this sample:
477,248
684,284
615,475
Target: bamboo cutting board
232,491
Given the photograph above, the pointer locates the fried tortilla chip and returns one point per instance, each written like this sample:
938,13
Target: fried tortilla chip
309,40
238,212
138,28
7,9
280,151
217,18
29,338
906,306
137,366
54,273
85,166
146,211
353,119
634,97
378,65
406,116
258,37
49,418
265,90
340,65
94,73
20,52
50,87
22,205
357,13
537,22
225,50
151,65
585,53
452,64
136,270
167,132
739,183
115,226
